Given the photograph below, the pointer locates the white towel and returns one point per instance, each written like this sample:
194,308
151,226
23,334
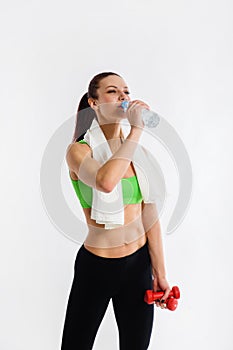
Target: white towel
108,208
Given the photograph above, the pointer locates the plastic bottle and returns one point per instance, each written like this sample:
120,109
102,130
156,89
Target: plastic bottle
149,118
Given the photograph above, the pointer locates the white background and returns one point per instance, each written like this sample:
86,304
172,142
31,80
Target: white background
177,56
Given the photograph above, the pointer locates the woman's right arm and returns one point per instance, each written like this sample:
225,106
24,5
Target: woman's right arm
106,176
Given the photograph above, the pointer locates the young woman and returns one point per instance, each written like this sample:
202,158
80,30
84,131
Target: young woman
131,259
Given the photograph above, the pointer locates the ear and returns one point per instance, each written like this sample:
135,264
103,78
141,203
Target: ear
92,103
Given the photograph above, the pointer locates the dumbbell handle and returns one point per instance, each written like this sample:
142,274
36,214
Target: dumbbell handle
175,292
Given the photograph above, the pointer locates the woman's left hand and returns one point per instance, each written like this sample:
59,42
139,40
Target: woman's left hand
160,283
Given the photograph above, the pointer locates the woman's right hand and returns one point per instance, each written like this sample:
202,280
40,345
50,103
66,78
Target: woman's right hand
134,111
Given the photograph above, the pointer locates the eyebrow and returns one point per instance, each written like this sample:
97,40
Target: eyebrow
125,87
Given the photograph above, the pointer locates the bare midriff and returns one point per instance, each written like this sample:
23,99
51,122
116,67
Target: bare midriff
133,228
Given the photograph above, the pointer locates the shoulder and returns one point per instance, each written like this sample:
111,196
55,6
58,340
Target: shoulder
77,145
75,153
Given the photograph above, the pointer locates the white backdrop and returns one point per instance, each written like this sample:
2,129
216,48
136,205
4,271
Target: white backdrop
178,57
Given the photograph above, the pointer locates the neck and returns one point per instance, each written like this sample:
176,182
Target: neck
112,131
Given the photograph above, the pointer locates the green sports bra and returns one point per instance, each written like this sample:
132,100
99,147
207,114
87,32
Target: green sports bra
130,188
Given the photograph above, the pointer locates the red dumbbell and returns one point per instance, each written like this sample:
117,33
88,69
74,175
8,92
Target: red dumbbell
171,302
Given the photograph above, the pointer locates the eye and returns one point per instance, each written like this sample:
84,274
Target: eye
126,92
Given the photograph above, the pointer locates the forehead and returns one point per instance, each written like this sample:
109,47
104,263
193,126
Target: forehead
112,80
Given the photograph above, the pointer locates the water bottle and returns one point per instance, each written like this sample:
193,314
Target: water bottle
149,118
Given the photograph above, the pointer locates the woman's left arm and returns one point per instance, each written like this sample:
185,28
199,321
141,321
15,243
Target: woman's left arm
153,231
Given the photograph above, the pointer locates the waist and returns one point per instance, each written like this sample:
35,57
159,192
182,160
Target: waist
141,245
119,251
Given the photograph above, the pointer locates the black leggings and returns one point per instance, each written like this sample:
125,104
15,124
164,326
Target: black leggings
96,281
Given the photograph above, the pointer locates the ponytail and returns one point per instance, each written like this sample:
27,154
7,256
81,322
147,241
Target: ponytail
84,117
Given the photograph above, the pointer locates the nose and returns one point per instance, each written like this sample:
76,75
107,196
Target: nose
123,96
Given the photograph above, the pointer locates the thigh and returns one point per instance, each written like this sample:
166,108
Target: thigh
133,315
87,304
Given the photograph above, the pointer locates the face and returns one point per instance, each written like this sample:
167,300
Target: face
111,92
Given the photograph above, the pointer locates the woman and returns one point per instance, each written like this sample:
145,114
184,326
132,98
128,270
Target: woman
120,271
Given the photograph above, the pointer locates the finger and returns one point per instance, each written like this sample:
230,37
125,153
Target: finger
144,105
166,294
163,304
141,103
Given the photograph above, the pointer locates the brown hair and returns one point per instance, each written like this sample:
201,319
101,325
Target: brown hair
85,114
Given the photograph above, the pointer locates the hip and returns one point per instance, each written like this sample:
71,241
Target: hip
108,275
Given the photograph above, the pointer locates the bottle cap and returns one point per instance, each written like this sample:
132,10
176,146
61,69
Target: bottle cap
125,105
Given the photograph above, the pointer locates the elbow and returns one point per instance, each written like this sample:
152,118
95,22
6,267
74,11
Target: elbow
103,184
106,188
